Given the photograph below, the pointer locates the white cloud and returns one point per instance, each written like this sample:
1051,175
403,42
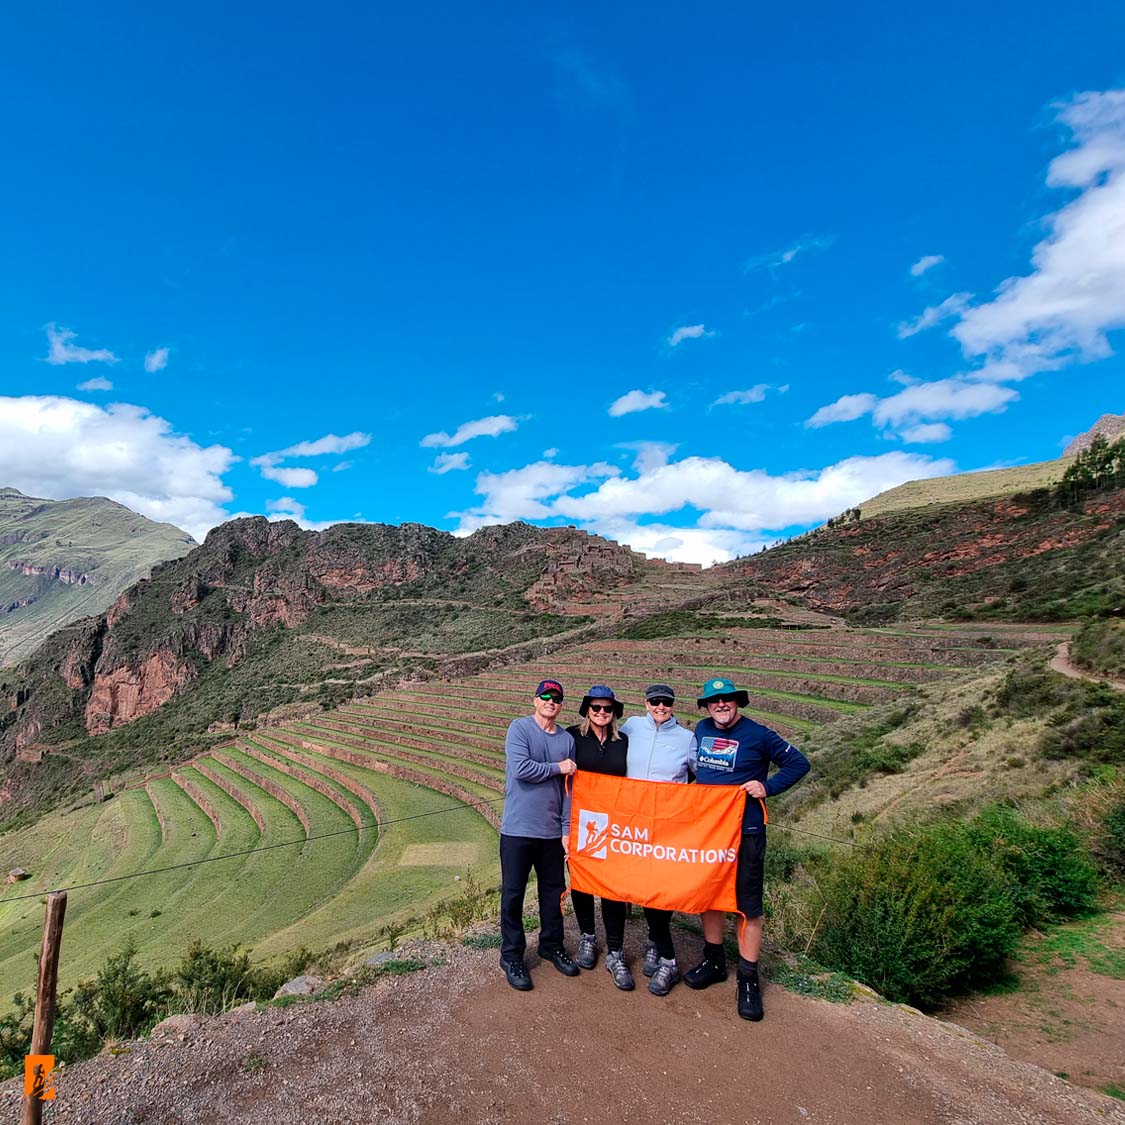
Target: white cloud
60,350
636,401
524,493
845,409
944,398
156,360
703,545
1075,294
270,463
497,396
60,447
549,453
649,454
926,432
783,257
289,478
99,383
688,332
448,462
288,505
935,314
748,500
926,262
492,426
342,467
757,393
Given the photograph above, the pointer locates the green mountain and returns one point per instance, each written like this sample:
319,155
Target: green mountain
65,559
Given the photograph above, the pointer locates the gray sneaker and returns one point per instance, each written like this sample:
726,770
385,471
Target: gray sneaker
615,963
587,951
665,976
652,959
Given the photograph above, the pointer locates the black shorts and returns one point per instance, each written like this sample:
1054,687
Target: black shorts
748,882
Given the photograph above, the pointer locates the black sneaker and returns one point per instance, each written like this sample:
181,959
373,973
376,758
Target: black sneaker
517,974
652,959
706,973
561,962
750,997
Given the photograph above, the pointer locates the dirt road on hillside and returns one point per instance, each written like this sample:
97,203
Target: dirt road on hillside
456,1044
1061,662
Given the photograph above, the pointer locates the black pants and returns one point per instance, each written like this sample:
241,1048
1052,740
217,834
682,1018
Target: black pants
660,931
518,856
613,917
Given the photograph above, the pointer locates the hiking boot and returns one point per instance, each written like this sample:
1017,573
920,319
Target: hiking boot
561,962
517,974
665,976
615,963
652,959
750,997
587,951
706,973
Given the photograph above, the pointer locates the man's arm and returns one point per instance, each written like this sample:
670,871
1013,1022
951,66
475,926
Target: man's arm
791,764
517,750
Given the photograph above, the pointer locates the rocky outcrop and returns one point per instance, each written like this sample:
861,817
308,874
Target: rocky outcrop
65,574
126,693
1108,426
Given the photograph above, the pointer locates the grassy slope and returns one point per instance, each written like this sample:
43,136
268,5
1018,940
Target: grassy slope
90,534
965,486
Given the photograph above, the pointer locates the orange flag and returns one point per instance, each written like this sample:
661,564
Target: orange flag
655,843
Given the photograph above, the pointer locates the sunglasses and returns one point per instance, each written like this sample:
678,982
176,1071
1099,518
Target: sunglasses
550,697
723,699
601,708
660,701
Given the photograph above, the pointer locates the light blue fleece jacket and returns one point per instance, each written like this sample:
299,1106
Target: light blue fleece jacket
659,753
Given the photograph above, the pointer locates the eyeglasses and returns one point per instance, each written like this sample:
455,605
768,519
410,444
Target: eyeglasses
723,699
550,697
600,708
660,701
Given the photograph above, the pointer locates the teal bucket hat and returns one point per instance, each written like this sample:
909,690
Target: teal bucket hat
721,686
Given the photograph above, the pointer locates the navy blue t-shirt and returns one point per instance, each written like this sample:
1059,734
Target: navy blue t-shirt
743,752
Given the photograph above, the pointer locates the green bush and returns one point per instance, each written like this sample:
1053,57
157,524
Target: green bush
1113,844
211,980
918,916
1050,876
1100,647
123,1000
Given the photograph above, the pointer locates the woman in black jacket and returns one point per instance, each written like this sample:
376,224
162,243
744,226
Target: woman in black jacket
601,748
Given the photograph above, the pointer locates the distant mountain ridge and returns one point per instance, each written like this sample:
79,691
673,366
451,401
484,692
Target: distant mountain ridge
1109,426
65,559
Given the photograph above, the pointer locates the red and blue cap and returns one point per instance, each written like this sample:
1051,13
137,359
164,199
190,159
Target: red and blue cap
549,685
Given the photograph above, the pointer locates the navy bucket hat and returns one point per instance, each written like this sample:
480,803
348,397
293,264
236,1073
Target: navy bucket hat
600,691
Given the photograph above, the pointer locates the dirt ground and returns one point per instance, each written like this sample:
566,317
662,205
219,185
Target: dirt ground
454,1043
1065,1015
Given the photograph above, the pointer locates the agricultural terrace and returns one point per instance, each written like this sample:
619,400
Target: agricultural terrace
409,759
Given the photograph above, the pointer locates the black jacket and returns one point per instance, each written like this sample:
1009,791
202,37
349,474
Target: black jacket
599,757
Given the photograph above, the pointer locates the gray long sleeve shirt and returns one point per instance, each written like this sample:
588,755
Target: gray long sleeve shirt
533,782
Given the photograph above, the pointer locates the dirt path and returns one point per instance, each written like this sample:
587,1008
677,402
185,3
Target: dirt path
1061,662
455,1044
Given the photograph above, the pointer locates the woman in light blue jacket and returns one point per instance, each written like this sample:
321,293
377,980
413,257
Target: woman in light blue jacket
659,750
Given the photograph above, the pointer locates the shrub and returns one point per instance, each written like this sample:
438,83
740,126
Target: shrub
917,916
1100,647
211,980
1113,844
1049,874
123,1000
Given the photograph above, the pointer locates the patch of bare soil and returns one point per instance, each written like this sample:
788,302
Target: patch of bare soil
1065,1015
455,1044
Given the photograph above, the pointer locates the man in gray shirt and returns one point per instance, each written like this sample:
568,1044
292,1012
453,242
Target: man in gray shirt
538,756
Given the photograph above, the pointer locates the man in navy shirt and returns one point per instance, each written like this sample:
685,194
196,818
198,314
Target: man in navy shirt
735,750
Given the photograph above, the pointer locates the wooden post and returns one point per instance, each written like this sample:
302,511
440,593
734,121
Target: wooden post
44,1027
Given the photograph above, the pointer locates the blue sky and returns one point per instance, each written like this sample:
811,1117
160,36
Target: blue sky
690,280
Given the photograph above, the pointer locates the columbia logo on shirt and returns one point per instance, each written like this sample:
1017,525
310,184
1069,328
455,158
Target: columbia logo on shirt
718,753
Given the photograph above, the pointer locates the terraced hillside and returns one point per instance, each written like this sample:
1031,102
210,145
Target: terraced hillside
412,759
